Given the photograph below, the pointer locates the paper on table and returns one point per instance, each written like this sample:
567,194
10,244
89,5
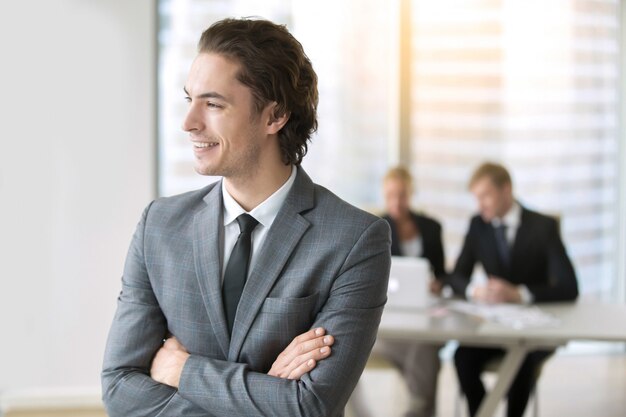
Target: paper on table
512,315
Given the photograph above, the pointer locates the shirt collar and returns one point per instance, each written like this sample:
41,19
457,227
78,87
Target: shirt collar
264,213
511,219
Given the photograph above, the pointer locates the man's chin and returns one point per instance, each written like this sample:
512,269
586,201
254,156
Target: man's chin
206,171
486,218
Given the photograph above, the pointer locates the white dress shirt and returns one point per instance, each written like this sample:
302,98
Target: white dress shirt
264,213
511,221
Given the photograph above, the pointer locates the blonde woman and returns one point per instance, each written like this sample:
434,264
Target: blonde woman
413,234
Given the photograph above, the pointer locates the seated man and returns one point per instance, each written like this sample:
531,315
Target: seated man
525,260
413,234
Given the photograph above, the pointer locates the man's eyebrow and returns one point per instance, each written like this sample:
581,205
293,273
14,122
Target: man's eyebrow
210,94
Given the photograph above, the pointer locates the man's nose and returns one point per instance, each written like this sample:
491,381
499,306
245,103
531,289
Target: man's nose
192,120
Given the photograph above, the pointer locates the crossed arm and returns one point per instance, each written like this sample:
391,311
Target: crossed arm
297,359
130,392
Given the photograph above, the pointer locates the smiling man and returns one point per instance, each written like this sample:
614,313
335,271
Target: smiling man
261,294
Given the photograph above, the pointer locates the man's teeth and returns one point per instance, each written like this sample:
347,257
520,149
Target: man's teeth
204,144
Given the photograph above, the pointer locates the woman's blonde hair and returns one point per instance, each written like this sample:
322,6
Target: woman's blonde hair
400,173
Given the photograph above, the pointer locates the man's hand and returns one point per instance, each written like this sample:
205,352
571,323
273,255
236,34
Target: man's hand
302,354
168,363
496,291
501,291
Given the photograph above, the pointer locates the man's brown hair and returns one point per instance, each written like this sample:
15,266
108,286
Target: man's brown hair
497,173
274,66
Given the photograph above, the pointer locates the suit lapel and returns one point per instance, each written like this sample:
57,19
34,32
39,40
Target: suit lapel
521,238
282,238
208,240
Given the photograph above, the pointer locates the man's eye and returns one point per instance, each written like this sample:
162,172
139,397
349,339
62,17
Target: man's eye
188,99
213,105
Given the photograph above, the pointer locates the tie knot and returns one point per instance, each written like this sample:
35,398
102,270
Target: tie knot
247,223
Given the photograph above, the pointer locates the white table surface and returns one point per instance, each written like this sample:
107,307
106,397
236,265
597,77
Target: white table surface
582,320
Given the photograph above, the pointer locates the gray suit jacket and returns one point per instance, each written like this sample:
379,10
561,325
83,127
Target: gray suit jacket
323,263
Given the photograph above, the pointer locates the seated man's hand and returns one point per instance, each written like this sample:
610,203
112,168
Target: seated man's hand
497,290
302,354
168,363
480,294
502,291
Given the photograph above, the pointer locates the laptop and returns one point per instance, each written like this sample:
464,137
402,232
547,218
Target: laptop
409,284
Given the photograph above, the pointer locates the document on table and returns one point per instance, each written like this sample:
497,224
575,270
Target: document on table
511,315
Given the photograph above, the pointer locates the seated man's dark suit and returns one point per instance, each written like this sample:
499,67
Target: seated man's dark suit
539,261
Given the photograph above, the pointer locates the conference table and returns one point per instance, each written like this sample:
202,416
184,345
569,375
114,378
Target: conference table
582,320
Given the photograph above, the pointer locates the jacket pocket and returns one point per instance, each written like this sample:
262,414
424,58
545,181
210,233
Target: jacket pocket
298,305
278,322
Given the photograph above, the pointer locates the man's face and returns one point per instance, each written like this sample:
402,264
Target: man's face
225,130
397,196
492,201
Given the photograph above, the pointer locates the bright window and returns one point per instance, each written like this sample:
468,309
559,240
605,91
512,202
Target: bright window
442,86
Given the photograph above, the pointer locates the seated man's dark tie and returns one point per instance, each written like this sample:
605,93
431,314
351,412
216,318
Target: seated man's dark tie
504,250
237,269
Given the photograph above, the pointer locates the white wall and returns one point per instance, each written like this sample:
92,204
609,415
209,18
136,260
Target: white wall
76,169
622,208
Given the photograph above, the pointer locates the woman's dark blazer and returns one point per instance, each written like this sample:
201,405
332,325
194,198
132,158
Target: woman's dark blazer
430,231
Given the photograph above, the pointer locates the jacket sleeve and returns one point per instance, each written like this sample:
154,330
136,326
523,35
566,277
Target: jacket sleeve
211,387
561,284
136,334
462,274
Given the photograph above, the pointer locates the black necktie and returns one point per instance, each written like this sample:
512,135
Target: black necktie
237,269
502,244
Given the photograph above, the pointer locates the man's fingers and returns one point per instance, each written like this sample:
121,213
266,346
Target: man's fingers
303,348
317,355
319,342
305,363
297,365
302,369
481,293
314,345
311,334
172,343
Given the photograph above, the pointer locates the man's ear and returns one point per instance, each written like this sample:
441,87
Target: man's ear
507,188
276,121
